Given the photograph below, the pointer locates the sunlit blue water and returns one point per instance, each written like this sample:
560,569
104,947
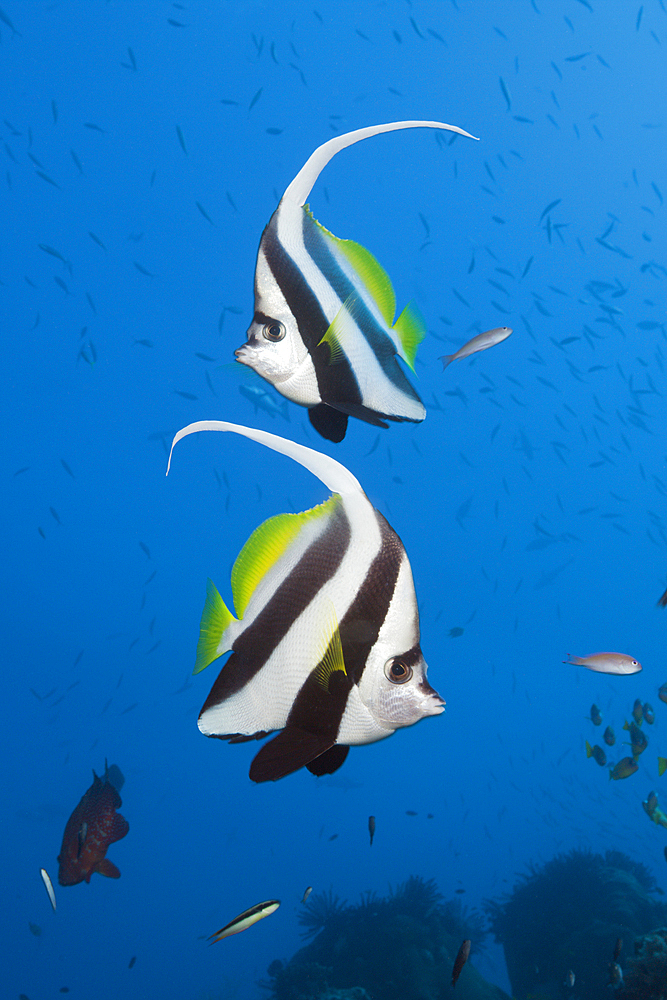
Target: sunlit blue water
554,437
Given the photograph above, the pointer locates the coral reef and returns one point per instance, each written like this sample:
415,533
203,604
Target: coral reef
568,914
388,948
646,973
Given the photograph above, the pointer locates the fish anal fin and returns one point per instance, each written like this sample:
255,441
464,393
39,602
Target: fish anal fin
330,423
264,548
215,619
329,761
411,330
106,867
290,750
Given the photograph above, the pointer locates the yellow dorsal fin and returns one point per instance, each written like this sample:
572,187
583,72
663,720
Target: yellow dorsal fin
371,273
331,658
411,330
216,618
264,548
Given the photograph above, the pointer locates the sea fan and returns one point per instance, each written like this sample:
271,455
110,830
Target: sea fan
321,910
416,895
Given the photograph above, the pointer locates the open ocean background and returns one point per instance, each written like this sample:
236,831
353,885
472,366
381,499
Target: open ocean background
531,501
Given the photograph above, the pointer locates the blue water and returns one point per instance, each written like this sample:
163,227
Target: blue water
535,441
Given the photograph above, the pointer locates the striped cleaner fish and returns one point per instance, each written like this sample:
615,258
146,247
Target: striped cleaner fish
326,645
324,333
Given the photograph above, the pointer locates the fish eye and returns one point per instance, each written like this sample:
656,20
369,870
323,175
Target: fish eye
274,331
397,671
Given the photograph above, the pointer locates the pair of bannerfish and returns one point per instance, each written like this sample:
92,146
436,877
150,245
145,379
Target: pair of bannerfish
325,646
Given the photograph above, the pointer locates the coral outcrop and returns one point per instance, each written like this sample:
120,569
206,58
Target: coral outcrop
388,948
567,915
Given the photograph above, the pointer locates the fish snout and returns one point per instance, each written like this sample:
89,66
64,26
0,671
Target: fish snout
433,703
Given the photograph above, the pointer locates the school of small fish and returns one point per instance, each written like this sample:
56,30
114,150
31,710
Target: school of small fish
324,636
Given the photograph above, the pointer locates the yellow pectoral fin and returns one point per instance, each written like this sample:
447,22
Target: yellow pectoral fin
216,618
332,654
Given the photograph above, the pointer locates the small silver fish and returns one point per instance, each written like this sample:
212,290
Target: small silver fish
607,663
307,893
478,343
48,884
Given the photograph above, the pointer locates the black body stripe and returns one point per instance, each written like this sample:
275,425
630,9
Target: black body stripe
320,711
383,348
254,646
334,381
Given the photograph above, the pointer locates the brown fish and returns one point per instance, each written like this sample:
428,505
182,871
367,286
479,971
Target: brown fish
93,825
461,959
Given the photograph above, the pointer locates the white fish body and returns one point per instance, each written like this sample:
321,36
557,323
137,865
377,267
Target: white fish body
326,645
607,663
324,331
48,885
479,343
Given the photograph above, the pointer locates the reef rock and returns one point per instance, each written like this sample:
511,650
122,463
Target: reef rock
388,949
645,977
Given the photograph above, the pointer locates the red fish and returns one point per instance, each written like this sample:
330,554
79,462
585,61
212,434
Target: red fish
93,825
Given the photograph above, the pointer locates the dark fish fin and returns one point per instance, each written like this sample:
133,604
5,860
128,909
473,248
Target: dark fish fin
119,829
106,867
287,752
329,761
330,423
114,775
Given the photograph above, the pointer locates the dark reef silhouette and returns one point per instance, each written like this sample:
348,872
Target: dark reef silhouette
568,914
385,948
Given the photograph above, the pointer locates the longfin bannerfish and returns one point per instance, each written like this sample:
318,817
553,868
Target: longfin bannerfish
324,332
326,644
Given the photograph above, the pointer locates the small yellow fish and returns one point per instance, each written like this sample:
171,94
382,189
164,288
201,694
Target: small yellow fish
596,715
662,766
638,712
597,753
609,736
624,768
662,693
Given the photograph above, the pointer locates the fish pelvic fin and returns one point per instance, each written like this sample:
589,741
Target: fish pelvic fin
216,618
264,548
410,329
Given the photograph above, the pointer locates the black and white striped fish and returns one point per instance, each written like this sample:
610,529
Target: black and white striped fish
326,645
324,333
